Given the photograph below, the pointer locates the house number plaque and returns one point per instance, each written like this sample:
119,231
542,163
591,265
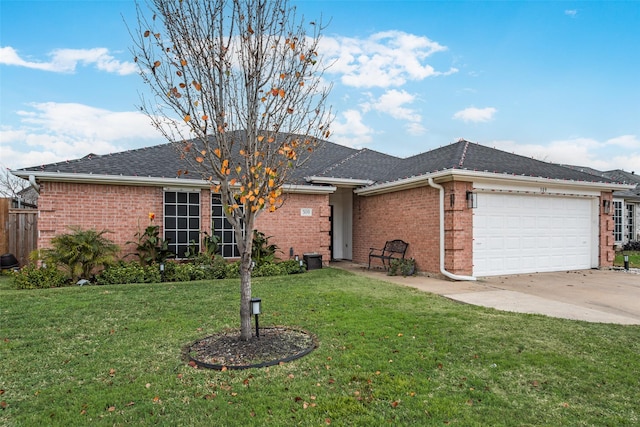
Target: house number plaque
306,212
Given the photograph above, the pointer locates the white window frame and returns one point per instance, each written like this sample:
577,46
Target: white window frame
618,221
629,223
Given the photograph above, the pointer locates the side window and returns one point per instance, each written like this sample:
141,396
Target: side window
181,220
617,221
223,229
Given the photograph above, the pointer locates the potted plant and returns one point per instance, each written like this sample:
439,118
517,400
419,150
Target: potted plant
404,267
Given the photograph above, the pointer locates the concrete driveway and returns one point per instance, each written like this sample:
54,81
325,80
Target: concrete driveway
602,296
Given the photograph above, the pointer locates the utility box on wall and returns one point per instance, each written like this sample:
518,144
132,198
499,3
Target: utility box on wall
313,261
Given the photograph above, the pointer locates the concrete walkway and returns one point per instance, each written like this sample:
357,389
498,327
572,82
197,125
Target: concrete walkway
600,296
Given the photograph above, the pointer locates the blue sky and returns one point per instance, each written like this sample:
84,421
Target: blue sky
558,81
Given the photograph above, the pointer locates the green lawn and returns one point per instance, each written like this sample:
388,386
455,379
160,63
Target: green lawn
634,259
388,355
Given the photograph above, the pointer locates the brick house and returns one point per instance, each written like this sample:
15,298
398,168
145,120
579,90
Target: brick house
465,209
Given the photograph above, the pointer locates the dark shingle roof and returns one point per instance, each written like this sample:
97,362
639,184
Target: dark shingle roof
331,160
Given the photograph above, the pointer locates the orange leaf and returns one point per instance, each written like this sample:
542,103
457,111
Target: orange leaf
205,117
217,152
156,64
281,92
199,159
187,118
290,110
260,138
146,33
183,62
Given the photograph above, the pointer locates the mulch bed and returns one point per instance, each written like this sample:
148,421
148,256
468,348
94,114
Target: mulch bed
225,350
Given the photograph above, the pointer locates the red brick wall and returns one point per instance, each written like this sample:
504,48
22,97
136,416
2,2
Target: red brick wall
607,242
458,235
305,234
413,216
124,210
410,215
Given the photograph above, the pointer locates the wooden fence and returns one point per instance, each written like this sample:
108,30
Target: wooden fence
19,231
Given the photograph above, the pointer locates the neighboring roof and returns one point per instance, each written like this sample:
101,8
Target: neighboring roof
329,161
617,175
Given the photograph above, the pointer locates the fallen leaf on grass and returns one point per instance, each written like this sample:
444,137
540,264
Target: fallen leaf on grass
395,403
111,408
112,372
130,404
3,405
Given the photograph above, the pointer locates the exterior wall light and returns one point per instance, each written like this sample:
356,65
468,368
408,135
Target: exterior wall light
162,271
606,206
256,305
472,200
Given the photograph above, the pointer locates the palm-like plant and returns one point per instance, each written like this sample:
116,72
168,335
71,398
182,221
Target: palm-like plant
81,253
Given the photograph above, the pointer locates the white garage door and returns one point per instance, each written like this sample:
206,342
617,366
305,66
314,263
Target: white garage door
515,233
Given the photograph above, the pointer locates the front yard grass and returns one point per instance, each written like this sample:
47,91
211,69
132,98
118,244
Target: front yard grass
388,355
634,259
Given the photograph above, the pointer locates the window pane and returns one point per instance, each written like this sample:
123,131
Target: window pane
169,210
182,210
182,223
169,223
170,236
194,210
182,198
194,223
194,198
194,236
183,237
170,197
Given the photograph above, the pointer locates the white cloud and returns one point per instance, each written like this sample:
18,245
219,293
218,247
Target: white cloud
476,115
384,59
393,103
581,152
625,141
67,60
52,132
571,12
351,131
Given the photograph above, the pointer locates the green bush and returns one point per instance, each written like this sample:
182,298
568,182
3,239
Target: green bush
32,277
267,269
292,266
402,267
233,270
150,247
80,253
129,272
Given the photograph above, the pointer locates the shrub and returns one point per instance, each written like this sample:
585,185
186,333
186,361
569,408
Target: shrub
32,277
233,270
403,267
150,247
267,269
80,253
129,272
292,266
632,246
261,251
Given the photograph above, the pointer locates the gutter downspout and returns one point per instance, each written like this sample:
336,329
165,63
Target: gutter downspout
34,184
441,209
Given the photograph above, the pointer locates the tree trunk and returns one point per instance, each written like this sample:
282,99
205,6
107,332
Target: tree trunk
245,295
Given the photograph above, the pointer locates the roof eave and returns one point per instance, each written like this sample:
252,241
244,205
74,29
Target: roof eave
150,181
341,182
467,175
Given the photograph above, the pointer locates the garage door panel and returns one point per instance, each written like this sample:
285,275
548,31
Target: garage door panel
515,233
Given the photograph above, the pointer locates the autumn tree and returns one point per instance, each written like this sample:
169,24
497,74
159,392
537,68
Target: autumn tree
237,86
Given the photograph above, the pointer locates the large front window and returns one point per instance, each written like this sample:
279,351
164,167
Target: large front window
223,229
181,220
